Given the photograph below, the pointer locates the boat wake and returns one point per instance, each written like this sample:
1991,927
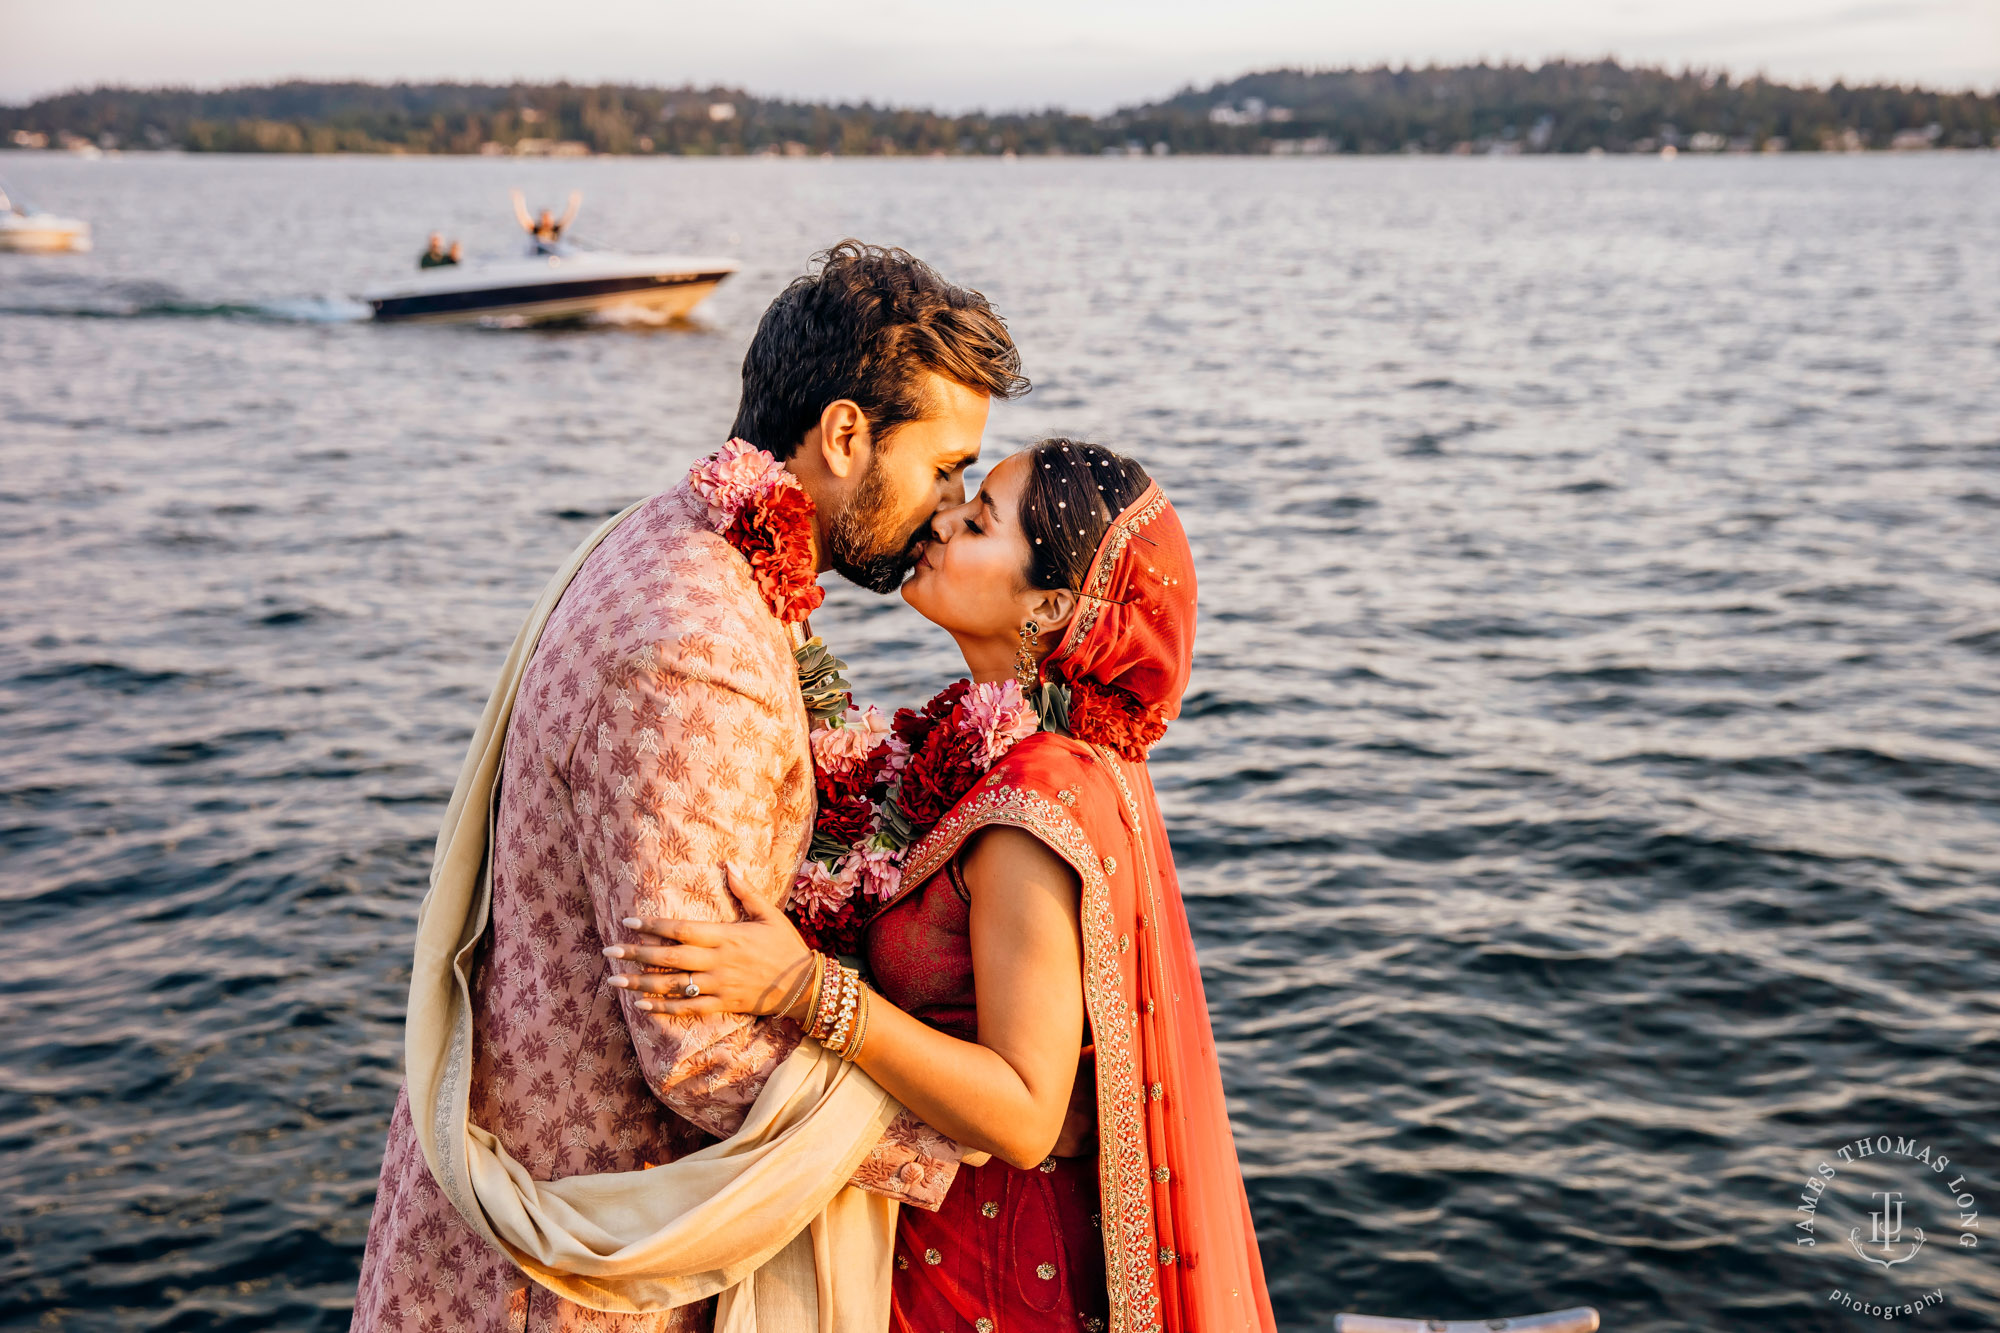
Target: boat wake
157,301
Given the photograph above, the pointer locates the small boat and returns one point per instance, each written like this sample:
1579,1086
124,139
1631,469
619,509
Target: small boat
34,232
564,285
554,282
1577,1319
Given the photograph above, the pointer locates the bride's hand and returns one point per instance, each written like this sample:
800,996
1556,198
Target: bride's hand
740,967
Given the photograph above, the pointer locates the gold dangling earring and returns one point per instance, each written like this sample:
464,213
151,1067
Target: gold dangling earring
1026,669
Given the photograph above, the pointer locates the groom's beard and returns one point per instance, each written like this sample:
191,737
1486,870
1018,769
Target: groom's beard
864,547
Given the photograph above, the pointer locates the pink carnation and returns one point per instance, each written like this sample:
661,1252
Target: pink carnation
998,714
733,476
898,751
819,892
839,747
880,871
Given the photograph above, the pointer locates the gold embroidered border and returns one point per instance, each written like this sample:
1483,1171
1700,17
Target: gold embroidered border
1110,759
1115,542
1123,1173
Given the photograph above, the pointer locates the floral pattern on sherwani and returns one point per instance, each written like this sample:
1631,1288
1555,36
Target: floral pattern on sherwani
658,732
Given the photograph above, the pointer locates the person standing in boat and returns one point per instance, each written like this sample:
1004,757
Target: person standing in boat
546,229
435,255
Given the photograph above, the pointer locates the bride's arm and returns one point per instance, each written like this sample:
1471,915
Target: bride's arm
1007,1093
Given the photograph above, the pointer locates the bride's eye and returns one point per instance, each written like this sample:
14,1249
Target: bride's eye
972,526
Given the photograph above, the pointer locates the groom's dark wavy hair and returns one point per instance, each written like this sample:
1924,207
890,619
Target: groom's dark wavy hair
863,326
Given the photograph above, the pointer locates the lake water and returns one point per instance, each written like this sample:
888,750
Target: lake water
1588,797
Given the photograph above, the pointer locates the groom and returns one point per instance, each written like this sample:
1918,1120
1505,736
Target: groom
656,734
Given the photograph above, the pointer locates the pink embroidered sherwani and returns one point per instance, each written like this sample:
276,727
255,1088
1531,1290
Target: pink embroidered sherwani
658,731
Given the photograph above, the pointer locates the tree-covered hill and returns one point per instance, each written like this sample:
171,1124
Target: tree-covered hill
1563,107
1560,107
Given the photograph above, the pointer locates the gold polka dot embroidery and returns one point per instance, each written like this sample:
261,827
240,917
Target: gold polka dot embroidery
1161,1175
983,1324
1046,1272
1159,1090
1124,943
1110,865
989,1209
1046,1165
903,1262
933,1257
1166,1255
1066,796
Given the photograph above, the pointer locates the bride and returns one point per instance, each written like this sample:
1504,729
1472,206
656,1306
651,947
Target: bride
1036,992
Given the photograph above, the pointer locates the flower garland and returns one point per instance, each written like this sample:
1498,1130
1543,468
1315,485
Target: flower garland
881,786
760,508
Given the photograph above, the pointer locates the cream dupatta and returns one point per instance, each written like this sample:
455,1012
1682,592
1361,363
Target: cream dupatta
765,1218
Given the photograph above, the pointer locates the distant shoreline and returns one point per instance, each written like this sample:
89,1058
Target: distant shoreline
9,153
1558,108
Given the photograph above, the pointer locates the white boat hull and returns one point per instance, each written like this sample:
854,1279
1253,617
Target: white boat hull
554,289
42,233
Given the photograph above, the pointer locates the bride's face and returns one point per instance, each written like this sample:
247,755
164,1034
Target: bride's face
972,575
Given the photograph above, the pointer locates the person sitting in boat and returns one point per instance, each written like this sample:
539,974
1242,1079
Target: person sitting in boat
455,255
434,255
546,230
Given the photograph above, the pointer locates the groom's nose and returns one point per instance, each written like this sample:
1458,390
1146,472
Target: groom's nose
944,523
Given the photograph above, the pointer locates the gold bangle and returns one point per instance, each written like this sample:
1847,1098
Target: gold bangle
843,1014
806,974
853,1051
826,992
850,1006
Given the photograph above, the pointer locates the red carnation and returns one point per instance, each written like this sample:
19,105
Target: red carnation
938,774
774,533
845,820
842,785
838,933
1112,717
912,727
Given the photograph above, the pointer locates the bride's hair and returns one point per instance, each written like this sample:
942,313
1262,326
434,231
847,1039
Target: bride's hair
1074,491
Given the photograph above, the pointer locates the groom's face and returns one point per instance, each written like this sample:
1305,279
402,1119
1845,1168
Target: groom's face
917,471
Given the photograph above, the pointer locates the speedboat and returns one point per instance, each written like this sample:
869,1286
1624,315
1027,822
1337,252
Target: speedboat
555,284
37,232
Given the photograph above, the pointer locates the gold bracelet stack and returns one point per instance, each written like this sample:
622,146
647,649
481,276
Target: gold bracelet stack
840,1013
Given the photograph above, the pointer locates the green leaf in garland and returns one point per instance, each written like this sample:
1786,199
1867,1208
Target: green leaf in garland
1051,703
826,849
826,692
895,824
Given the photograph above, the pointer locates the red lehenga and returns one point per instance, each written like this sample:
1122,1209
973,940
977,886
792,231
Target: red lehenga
1168,1214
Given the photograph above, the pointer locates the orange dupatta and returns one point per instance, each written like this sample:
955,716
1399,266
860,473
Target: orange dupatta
1179,1248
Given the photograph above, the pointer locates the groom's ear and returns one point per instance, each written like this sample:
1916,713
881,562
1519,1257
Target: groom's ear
842,439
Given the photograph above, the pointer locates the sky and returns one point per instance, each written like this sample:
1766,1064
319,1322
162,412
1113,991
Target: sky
1087,55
